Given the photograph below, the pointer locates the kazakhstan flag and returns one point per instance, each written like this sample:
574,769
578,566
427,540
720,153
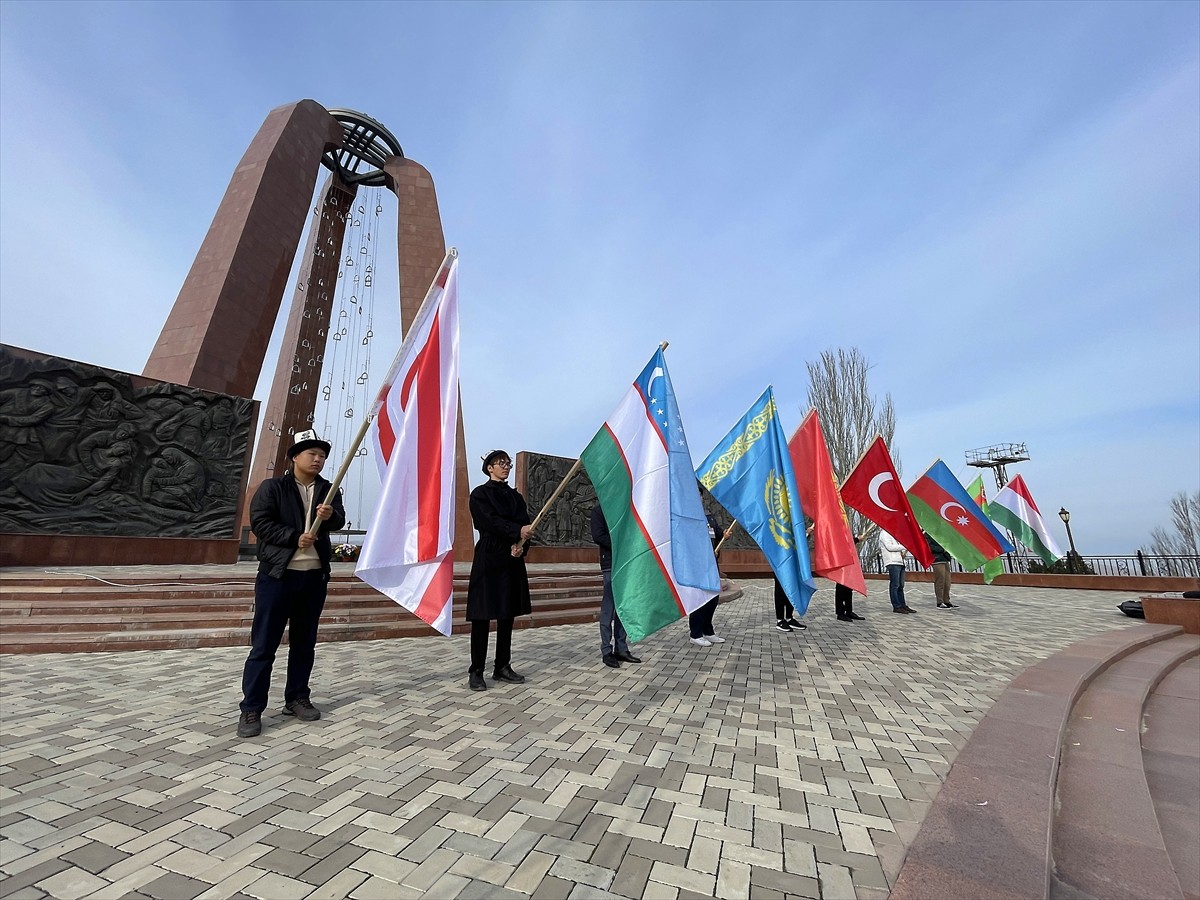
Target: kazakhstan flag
750,474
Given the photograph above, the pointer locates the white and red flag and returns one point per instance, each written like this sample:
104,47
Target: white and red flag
408,550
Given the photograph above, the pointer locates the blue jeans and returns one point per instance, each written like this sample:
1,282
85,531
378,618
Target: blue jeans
896,586
298,597
610,622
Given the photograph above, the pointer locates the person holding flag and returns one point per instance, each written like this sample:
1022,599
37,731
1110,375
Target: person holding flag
893,552
941,573
945,510
499,585
835,548
663,566
292,516
873,488
750,473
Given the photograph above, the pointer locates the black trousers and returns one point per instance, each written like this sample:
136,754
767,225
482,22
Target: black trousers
479,643
298,598
843,600
701,621
783,606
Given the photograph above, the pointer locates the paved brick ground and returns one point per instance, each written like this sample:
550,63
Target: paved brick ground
771,766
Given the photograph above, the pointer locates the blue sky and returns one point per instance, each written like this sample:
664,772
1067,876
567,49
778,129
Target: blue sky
999,203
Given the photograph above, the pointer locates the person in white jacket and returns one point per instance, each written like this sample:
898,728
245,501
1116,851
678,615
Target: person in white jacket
893,553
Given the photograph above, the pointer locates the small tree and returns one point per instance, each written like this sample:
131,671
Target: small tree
839,389
1182,539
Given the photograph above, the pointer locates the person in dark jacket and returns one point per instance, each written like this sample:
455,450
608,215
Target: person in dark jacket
293,574
941,573
499,585
610,622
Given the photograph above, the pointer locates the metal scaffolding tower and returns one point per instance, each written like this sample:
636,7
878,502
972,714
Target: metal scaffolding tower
996,457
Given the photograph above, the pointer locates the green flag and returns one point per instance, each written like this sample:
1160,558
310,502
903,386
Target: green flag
992,567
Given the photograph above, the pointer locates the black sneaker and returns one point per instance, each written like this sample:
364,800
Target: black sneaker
476,682
611,661
796,626
250,725
507,674
302,709
782,626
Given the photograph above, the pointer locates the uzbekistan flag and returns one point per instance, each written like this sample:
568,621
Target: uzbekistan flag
1014,508
663,564
944,509
750,473
834,554
407,553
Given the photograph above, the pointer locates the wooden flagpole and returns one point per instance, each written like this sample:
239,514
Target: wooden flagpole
724,537
405,346
550,502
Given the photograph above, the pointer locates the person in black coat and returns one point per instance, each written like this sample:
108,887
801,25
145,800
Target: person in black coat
499,586
293,575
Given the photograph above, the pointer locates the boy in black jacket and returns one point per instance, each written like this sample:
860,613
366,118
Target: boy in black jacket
293,573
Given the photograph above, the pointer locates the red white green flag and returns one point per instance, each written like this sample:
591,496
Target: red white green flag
1013,508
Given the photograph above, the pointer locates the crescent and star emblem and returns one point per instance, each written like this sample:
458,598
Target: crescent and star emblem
873,489
960,520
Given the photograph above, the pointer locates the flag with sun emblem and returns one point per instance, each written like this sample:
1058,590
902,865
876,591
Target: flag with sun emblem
750,474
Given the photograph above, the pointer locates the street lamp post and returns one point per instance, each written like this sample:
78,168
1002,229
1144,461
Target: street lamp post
1066,520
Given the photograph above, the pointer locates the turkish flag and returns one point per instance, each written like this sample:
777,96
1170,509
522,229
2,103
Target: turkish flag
834,555
873,488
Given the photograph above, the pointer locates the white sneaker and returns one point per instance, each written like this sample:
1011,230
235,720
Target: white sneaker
715,639
702,642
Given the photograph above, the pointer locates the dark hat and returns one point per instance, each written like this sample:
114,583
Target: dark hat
492,457
306,440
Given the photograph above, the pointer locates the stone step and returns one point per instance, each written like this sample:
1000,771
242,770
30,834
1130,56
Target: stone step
333,628
14,611
98,593
988,832
1170,750
1106,840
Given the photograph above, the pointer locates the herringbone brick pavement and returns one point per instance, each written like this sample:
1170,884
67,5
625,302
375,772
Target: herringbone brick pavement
771,766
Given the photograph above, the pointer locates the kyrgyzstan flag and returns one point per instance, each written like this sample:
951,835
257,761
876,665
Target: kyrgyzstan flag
834,555
873,488
408,550
945,509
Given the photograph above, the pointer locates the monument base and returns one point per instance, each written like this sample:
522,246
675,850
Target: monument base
71,549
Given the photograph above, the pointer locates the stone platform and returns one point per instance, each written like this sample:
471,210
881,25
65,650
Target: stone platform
770,766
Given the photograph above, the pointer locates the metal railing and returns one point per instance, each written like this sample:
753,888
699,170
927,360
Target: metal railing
1134,564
